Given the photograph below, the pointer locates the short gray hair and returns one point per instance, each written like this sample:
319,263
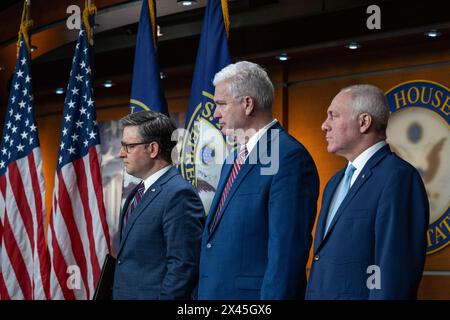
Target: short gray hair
153,126
248,79
369,98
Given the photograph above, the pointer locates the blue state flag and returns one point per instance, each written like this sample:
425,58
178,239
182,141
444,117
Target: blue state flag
204,148
146,90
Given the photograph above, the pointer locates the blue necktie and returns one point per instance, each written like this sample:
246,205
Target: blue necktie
341,195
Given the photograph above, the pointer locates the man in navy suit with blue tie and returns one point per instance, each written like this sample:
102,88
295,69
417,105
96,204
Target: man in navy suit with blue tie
161,221
370,240
257,236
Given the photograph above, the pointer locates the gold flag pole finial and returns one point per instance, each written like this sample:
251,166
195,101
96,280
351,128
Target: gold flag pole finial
25,25
151,10
89,10
226,16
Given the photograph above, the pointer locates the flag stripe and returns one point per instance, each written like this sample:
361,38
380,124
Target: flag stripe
38,190
17,262
59,265
3,293
65,207
18,190
94,161
80,172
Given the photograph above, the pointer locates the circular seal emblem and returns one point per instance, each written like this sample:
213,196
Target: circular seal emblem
418,131
203,150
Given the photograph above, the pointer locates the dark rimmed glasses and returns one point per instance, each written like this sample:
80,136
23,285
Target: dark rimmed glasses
130,146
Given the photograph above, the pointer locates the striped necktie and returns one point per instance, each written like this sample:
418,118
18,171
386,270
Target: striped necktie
236,167
133,203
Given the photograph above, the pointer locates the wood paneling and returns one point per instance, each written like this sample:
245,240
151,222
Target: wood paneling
435,288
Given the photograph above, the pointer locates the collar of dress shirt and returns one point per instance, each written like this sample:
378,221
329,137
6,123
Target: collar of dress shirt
152,179
254,139
361,160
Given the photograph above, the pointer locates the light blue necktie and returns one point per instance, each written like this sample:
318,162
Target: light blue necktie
341,195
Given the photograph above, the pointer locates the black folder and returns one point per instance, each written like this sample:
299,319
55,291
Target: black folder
103,291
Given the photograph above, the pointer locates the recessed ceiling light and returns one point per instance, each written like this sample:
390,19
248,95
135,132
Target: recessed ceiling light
432,33
162,75
59,90
187,3
353,45
33,48
283,57
108,84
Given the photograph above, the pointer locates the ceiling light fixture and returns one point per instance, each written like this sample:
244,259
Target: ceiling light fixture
108,84
33,48
432,33
59,90
187,3
162,75
283,57
353,45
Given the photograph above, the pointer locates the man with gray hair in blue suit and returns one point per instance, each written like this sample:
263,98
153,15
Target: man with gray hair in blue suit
370,240
258,232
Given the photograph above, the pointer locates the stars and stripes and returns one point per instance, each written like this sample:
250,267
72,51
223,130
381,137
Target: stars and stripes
78,236
24,259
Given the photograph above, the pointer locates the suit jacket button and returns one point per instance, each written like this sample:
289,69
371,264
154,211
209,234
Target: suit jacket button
208,245
316,257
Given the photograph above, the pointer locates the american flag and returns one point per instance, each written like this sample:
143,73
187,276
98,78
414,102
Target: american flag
78,237
24,260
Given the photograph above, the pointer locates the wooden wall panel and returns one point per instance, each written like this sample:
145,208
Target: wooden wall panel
435,287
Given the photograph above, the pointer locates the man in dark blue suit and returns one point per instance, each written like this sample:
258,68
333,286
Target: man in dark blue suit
257,236
162,220
370,240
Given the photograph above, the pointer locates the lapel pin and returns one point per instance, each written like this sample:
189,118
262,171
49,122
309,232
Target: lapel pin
363,176
153,190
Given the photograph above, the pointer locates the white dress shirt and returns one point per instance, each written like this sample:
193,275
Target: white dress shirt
154,177
359,163
255,138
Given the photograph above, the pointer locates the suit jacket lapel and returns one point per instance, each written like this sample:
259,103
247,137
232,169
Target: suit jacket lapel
242,173
363,176
326,202
260,149
147,198
124,209
226,171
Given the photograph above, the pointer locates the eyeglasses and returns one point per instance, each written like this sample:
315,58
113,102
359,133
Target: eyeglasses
129,146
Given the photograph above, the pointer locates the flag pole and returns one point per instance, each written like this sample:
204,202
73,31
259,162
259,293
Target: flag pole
28,4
